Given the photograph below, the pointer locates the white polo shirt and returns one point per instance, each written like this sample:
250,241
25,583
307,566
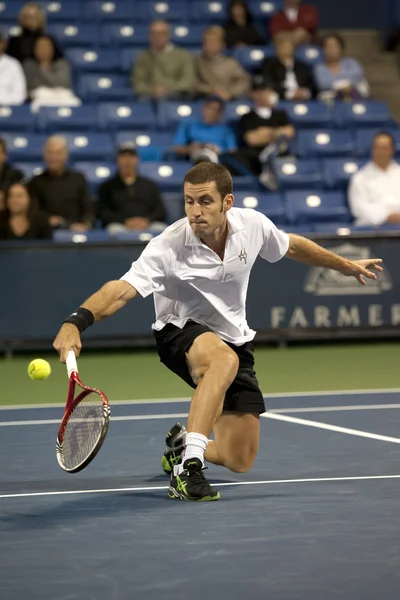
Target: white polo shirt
190,281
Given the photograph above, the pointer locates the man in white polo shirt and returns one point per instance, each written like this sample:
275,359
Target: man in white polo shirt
198,271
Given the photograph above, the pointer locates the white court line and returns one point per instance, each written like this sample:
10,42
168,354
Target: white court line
336,428
266,396
233,483
121,418
312,409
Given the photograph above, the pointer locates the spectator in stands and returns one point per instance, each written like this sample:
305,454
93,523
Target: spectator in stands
21,218
32,20
193,136
263,128
164,70
8,175
239,29
44,70
12,79
217,73
300,21
292,78
374,192
339,77
61,192
127,201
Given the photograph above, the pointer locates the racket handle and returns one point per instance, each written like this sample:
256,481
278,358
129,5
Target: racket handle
71,363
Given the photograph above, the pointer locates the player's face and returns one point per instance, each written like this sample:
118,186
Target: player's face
18,200
204,207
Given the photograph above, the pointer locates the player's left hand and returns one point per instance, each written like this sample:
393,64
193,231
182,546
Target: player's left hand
363,268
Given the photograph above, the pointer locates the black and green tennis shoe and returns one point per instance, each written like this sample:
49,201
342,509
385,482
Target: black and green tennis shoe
191,484
175,444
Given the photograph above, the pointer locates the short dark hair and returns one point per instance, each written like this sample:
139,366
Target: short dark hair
34,208
206,172
335,36
386,134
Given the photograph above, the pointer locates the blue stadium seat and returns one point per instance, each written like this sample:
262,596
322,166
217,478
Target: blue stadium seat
128,58
340,229
365,137
167,10
307,114
10,28
298,174
96,88
124,34
24,147
135,236
366,113
310,54
324,142
16,118
114,10
9,10
171,113
338,171
75,34
251,57
94,60
312,206
115,115
236,109
169,176
208,11
90,146
30,169
95,172
80,118
270,205
302,229
187,34
260,9
174,205
94,236
151,145
65,10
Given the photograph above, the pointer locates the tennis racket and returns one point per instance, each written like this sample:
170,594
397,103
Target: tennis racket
85,422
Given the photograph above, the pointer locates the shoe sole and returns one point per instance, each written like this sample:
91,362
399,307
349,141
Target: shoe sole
175,495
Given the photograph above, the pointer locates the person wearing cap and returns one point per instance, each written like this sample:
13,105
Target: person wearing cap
12,79
196,138
127,201
263,125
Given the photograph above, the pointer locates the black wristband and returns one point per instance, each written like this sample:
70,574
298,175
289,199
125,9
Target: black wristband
82,318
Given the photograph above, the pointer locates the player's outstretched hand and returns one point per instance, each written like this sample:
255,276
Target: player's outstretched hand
363,268
68,338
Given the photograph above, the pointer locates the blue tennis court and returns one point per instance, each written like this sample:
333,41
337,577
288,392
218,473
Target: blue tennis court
317,517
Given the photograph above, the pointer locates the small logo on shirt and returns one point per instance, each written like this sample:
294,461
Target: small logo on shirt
243,256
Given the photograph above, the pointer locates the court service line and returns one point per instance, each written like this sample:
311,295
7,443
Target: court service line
336,428
120,418
266,396
224,484
312,409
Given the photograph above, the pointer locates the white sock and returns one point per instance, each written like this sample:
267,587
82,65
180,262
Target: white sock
196,445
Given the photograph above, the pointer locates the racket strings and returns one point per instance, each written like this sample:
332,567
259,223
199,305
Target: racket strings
83,431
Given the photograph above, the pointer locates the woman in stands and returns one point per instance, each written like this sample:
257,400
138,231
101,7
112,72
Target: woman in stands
21,218
239,29
45,70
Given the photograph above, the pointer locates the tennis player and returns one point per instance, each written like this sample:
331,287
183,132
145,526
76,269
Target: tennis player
198,271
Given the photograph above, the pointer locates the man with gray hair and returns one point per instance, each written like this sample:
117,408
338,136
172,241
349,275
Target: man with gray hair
62,192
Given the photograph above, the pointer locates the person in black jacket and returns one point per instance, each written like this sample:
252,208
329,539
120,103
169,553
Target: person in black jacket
8,174
292,79
21,218
239,29
32,21
128,201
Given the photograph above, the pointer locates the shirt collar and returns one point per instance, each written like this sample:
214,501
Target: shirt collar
234,225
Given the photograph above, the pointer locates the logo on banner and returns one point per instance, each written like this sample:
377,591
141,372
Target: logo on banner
325,282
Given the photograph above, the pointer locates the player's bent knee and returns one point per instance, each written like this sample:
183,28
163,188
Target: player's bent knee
241,463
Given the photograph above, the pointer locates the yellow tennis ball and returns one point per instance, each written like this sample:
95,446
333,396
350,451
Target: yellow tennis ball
39,369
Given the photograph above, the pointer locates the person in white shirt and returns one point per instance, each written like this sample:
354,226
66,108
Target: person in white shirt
374,191
198,272
12,79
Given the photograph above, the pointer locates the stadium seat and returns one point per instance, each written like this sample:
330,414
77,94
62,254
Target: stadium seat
16,118
9,28
90,146
75,34
128,58
260,9
340,229
312,206
94,60
9,10
170,10
80,118
67,10
135,236
94,236
270,205
124,34
251,57
324,142
307,114
365,137
30,169
95,172
361,114
169,176
303,229
187,34
115,115
115,10
210,12
309,54
174,205
151,145
24,147
171,113
298,174
236,109
96,88
337,172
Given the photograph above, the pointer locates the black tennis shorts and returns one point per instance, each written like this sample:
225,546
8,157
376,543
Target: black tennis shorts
244,394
